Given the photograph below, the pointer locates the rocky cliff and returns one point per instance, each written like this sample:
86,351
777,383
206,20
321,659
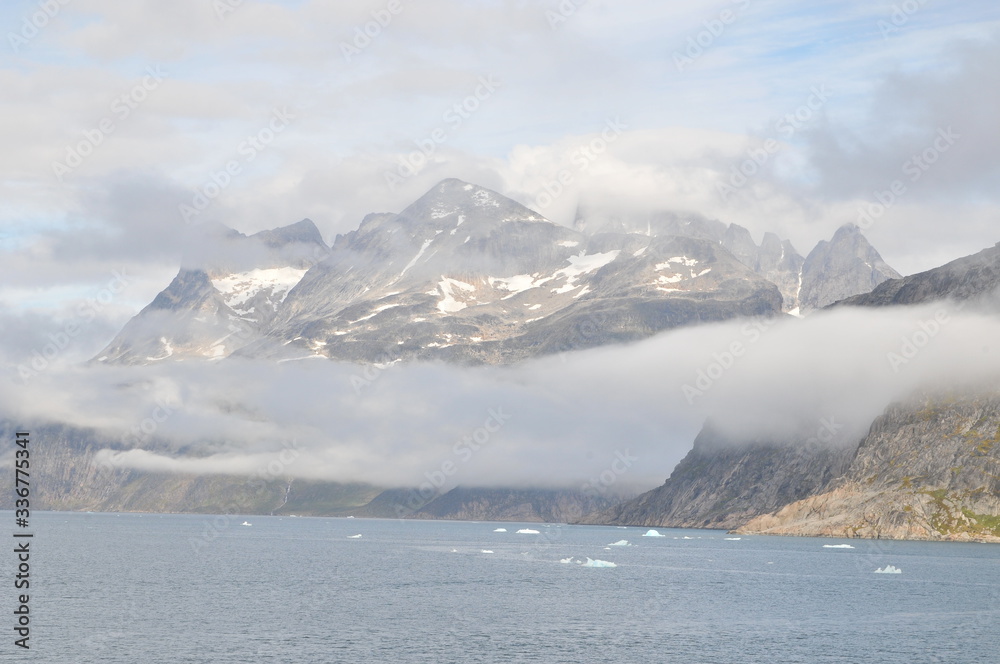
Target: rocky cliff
928,469
723,483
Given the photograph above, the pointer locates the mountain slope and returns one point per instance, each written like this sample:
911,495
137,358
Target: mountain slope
963,279
846,265
929,469
224,303
723,483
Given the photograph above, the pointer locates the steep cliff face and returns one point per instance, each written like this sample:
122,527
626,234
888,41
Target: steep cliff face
723,484
974,277
929,469
844,266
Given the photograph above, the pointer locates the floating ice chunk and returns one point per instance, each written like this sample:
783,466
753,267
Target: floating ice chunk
598,563
566,561
620,543
454,550
500,530
354,537
486,551
837,546
732,539
888,569
246,523
652,533
527,531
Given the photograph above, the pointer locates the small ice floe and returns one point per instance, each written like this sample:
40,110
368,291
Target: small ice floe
454,550
246,523
837,546
652,533
354,536
527,531
732,539
486,551
566,561
888,569
350,517
500,530
598,563
620,543
686,537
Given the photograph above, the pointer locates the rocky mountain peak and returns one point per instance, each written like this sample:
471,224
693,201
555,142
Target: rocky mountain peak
846,265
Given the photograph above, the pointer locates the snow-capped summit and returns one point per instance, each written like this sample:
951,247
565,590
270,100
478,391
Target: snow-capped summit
465,274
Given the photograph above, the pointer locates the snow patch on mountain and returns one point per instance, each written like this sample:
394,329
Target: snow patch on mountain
240,287
420,253
580,265
448,303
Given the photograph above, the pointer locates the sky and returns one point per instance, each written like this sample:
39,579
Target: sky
780,116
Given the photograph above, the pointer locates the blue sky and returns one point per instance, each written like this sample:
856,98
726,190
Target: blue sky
892,86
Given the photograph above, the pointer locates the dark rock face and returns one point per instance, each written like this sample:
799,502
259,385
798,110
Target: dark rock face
845,266
928,469
975,277
723,484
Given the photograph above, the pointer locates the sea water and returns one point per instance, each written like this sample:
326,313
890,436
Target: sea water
184,588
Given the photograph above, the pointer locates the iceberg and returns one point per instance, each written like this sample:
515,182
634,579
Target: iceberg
566,561
486,551
888,569
527,531
652,533
620,543
246,523
500,530
732,539
354,537
598,563
837,546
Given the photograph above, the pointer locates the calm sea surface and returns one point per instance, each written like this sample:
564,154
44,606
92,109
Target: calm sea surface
168,588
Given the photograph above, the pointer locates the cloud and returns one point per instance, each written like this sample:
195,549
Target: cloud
556,421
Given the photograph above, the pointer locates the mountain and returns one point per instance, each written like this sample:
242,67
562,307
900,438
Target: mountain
722,483
461,275
230,299
968,278
775,259
927,468
846,265
468,276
